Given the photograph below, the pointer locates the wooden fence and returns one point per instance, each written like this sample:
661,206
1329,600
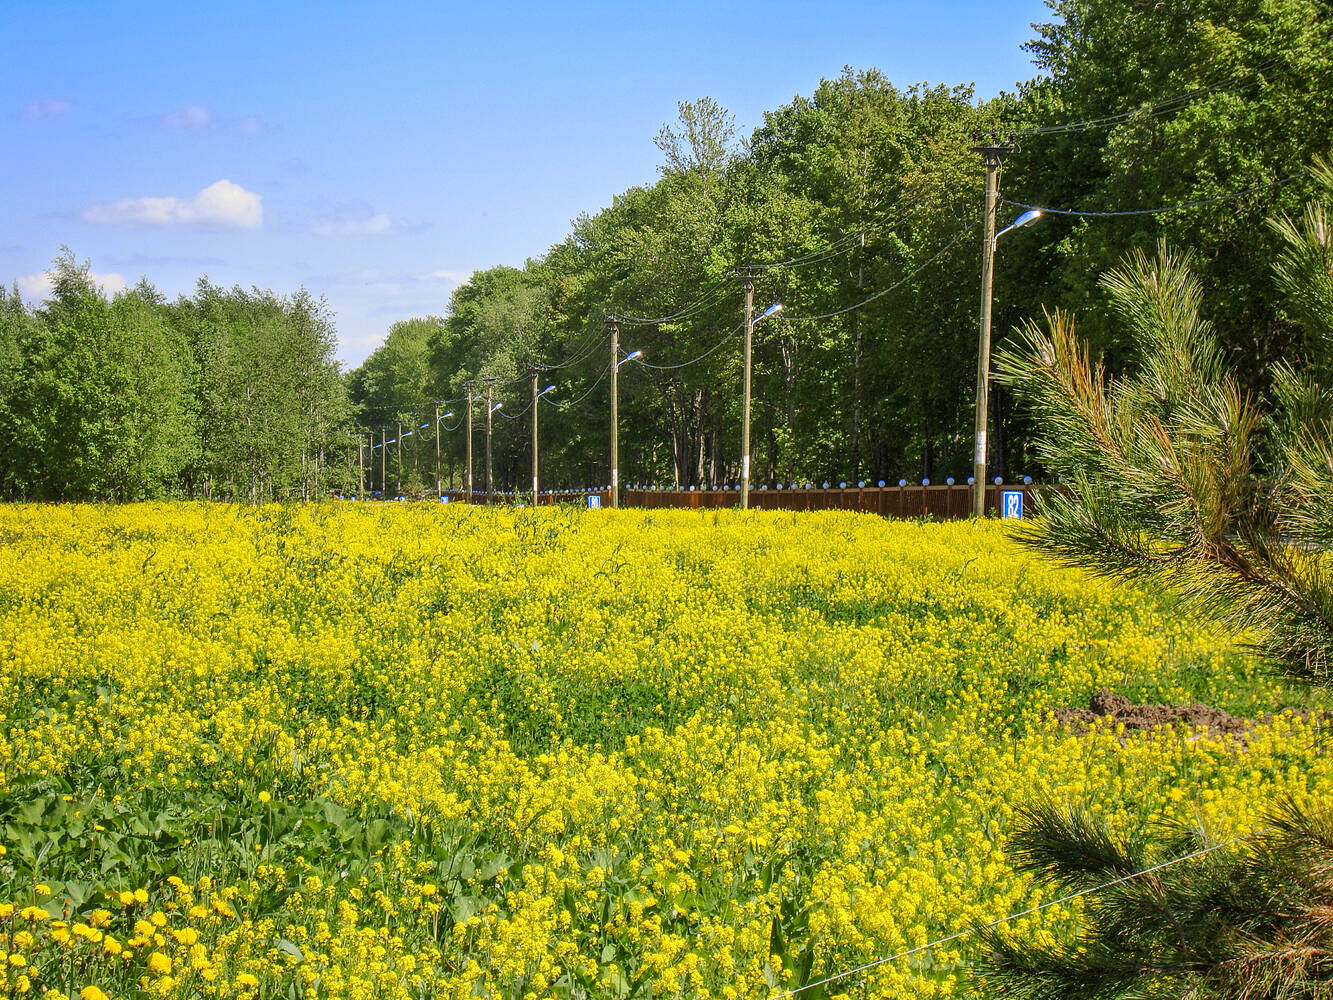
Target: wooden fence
938,502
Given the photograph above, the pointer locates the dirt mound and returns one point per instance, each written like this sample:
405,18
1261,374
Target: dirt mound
1119,709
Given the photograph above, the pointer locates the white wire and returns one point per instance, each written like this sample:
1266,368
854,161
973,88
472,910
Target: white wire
901,281
685,364
1014,916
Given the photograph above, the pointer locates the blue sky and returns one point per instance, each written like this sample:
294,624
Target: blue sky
379,154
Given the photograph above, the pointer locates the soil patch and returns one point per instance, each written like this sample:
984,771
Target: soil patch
1119,709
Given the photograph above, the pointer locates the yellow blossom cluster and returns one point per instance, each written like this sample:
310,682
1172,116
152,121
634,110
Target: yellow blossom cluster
401,751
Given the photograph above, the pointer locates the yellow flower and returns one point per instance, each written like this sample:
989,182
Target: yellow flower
42,889
34,913
92,993
141,895
246,981
126,898
159,964
266,797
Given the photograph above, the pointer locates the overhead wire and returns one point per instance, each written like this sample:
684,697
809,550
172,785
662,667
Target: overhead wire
897,284
578,358
587,345
1015,916
575,402
685,311
834,249
1164,208
685,364
1156,108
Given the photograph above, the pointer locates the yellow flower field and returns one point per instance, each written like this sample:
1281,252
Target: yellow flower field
418,751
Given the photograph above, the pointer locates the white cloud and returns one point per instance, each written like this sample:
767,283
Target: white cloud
38,286
251,125
353,223
452,277
195,118
222,204
47,109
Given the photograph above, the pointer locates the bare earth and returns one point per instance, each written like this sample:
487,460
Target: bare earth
1118,709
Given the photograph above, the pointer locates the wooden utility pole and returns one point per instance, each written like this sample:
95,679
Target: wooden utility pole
360,469
384,462
534,439
991,154
490,489
745,409
468,485
439,491
615,411
399,472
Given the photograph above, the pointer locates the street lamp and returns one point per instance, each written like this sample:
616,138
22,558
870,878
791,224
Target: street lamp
983,348
535,397
490,409
470,400
439,485
750,322
616,362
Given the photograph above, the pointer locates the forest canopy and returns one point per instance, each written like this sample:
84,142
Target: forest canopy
857,207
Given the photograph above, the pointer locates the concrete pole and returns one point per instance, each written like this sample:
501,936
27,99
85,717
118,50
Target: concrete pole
745,416
615,414
467,486
438,483
534,439
490,489
992,155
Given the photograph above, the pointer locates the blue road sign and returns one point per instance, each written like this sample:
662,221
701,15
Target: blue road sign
1011,503
594,500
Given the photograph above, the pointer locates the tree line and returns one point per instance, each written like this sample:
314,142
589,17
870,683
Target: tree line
866,192
858,207
224,394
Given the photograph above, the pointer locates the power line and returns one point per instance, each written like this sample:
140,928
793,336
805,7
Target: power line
834,249
901,281
573,403
685,364
1163,208
515,416
685,311
1014,916
1161,107
592,340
